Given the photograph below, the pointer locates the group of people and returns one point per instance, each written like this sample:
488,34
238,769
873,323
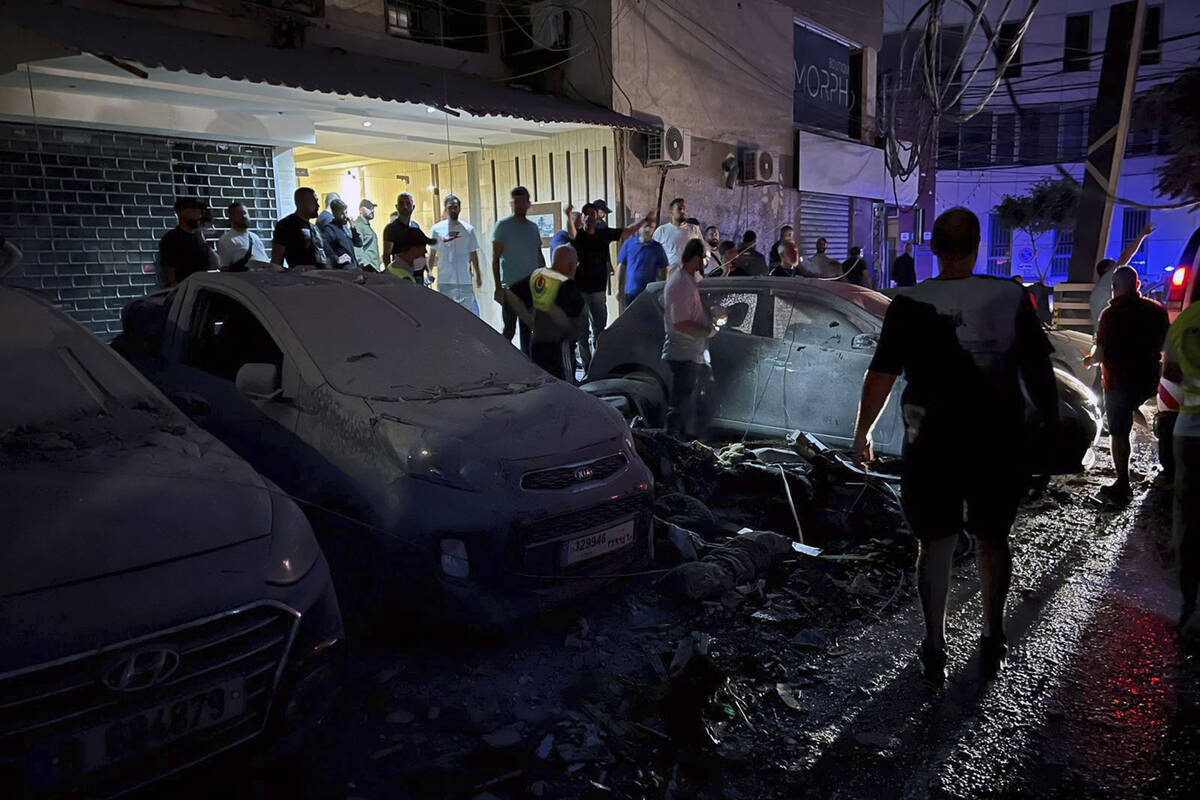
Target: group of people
312,238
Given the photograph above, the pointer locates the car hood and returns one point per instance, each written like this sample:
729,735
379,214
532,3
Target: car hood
532,421
77,514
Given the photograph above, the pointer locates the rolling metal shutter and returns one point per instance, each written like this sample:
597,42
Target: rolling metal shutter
825,215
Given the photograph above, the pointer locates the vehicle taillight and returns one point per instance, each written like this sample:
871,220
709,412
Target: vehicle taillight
1178,288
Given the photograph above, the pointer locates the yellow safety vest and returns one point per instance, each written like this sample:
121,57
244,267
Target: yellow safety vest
401,273
543,286
1184,336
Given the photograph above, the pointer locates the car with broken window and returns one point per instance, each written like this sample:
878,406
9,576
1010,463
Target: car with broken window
791,356
430,453
161,602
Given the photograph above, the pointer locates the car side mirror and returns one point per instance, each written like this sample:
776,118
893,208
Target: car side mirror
864,341
259,381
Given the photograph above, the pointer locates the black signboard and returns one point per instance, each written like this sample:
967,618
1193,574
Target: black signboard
826,91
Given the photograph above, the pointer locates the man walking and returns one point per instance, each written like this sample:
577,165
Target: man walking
1129,342
640,262
516,253
855,270
367,253
689,326
455,257
904,270
1183,367
296,239
239,245
340,239
182,250
677,232
964,343
405,206
592,276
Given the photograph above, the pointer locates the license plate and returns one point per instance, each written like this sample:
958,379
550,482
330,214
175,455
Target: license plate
597,544
139,733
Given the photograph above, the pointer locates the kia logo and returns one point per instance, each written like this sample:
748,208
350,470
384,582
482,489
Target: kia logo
583,473
142,669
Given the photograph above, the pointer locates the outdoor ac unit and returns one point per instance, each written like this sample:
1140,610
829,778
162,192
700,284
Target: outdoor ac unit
670,147
761,166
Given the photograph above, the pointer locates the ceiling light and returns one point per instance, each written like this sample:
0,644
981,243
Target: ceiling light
430,109
367,123
541,124
431,187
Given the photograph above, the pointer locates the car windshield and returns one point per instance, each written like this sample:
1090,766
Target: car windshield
397,340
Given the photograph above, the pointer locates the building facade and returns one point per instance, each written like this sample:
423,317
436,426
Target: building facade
1044,133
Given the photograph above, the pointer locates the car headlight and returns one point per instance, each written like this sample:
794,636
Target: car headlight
294,549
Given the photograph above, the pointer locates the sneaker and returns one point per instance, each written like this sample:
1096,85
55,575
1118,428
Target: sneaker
993,655
1116,493
933,663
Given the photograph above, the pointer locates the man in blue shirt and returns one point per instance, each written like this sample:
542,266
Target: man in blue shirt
640,261
516,253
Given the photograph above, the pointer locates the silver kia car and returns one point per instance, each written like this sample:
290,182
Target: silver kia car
435,459
161,602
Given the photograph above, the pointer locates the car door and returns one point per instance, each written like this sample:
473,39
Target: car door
822,346
221,334
735,352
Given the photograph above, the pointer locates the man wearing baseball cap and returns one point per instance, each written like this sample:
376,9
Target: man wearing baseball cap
368,254
602,216
408,254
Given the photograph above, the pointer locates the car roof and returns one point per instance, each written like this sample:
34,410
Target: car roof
868,300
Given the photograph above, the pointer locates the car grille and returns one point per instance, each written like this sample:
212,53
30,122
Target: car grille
49,704
550,480
542,540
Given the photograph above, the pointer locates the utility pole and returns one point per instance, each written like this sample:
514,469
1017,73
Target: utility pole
1102,168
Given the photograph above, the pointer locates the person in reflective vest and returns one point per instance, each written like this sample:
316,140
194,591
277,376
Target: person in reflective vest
557,313
1182,366
408,253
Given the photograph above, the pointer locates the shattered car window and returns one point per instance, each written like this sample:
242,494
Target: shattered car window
402,341
740,306
227,336
803,320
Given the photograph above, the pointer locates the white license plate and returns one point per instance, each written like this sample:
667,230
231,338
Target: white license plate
600,542
145,731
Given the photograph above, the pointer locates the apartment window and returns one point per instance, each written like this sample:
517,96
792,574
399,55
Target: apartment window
1064,241
1074,134
1039,136
460,24
1152,36
999,247
976,141
1132,222
1008,34
1006,138
1077,43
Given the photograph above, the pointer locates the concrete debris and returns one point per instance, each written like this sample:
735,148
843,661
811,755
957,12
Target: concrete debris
545,747
400,718
504,737
744,559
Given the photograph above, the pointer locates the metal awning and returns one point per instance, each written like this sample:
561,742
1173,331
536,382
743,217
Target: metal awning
319,69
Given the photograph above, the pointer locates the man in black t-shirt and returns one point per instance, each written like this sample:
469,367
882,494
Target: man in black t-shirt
857,270
405,206
296,239
595,265
904,269
964,344
182,250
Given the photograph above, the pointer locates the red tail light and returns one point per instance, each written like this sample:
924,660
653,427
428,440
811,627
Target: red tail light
1179,280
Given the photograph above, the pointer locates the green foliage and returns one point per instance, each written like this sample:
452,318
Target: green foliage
1171,108
1050,205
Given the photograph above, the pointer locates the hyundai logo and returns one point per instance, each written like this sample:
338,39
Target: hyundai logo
583,473
142,669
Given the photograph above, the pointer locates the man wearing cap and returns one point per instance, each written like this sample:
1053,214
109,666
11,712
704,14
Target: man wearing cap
405,206
182,250
602,212
408,254
455,257
340,239
368,252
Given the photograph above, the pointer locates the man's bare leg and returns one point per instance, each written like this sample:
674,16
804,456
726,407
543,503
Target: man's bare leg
934,560
995,573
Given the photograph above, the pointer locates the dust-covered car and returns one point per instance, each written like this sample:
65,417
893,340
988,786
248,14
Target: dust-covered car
160,601
792,356
427,449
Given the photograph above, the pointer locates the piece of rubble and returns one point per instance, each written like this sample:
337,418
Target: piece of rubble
788,696
387,751
811,637
503,738
545,747
741,561
400,717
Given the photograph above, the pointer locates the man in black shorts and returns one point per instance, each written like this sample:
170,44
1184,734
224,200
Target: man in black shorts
964,343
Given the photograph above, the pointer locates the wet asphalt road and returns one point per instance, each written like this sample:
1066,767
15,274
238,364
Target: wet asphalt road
1097,699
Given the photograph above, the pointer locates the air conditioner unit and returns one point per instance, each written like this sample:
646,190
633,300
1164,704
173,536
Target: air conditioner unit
761,166
669,147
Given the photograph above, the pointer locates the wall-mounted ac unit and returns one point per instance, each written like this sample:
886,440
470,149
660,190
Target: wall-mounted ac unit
669,147
761,166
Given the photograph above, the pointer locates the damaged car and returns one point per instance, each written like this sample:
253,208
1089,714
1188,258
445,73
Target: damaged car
162,602
791,356
429,452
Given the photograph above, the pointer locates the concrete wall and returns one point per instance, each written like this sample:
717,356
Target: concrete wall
93,206
860,21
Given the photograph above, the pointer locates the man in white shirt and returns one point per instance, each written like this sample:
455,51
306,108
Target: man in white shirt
455,257
677,232
240,246
819,265
689,326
